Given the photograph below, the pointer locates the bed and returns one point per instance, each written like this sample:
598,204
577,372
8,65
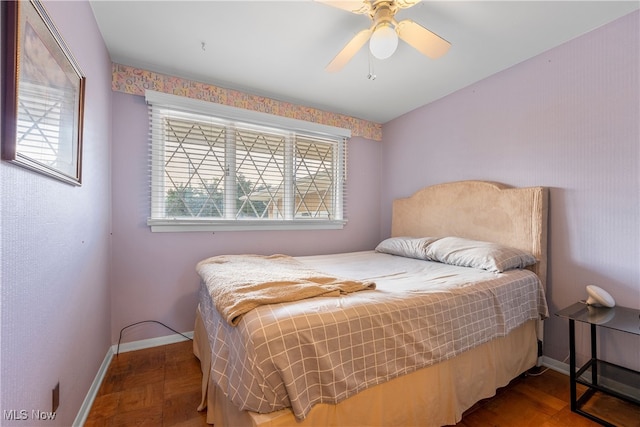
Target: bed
428,335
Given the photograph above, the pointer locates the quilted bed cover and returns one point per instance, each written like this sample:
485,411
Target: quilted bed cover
326,349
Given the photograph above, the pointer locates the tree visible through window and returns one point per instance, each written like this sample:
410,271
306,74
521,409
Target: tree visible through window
208,201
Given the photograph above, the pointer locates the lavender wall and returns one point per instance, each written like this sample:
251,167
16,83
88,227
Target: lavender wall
154,273
55,248
569,120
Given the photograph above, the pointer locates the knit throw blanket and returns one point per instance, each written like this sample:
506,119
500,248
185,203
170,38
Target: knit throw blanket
240,283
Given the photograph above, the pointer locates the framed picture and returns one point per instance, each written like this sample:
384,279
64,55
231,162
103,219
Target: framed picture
43,95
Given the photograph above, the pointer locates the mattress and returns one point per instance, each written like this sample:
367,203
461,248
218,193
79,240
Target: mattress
325,350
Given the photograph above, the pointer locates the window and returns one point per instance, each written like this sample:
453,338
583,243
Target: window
215,167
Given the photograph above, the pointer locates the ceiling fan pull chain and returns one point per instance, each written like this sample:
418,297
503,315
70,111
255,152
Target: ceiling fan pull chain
372,74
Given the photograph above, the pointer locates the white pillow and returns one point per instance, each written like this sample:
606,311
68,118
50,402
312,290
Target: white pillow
477,254
409,247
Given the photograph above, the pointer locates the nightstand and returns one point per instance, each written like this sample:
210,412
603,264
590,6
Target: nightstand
597,374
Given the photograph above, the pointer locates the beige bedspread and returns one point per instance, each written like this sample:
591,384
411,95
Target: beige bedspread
324,350
240,283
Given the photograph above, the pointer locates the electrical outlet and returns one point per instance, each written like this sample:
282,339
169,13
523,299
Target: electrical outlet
56,397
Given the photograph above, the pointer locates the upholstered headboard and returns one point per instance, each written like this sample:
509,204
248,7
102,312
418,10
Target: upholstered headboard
478,210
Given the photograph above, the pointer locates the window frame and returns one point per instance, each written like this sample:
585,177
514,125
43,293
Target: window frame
254,118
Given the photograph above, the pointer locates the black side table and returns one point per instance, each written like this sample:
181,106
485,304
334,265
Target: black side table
597,374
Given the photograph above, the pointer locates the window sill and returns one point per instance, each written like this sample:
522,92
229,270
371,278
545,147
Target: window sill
191,225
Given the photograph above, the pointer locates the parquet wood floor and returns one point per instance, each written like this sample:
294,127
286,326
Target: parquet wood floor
160,386
154,387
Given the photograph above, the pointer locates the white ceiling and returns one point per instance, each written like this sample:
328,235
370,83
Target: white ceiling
279,49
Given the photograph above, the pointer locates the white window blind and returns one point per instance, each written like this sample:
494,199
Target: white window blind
221,168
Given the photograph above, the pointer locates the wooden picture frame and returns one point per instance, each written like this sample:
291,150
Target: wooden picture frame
43,95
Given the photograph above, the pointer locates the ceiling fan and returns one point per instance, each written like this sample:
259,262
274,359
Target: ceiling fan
385,30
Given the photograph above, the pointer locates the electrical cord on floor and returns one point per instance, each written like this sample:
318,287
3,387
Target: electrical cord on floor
147,321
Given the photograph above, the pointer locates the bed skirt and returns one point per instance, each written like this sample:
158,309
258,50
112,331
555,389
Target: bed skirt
435,396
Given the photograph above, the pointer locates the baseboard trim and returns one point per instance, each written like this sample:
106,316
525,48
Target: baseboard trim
83,413
151,342
556,365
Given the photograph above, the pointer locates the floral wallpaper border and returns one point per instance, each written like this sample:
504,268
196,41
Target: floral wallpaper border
135,81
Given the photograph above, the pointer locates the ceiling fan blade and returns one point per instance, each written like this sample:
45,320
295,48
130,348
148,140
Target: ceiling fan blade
403,4
349,51
423,40
353,6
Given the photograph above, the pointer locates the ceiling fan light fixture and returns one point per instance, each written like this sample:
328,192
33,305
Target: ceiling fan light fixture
384,41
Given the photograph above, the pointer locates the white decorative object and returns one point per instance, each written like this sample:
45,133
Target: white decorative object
599,297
